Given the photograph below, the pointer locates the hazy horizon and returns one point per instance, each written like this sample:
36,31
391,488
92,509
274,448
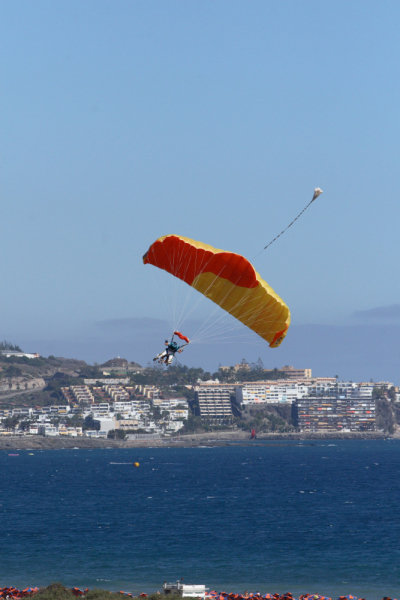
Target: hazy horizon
354,352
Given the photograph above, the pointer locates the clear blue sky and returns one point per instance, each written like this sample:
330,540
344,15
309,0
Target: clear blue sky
125,120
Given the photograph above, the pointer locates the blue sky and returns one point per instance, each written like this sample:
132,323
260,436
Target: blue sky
123,121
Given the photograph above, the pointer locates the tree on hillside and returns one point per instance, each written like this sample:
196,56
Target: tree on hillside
91,424
10,423
116,434
8,346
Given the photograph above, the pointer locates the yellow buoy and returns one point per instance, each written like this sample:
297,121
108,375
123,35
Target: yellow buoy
136,464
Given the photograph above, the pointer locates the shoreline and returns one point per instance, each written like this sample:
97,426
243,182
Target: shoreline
67,593
8,443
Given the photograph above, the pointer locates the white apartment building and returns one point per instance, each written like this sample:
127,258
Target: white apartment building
124,381
48,430
107,424
9,353
214,402
123,407
170,403
261,392
178,402
173,426
99,410
362,391
178,414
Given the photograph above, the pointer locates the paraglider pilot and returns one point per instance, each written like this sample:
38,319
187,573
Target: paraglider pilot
167,356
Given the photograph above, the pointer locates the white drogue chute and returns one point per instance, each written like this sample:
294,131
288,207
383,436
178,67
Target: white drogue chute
317,192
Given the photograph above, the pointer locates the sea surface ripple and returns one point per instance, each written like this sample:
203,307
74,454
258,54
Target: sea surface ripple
315,516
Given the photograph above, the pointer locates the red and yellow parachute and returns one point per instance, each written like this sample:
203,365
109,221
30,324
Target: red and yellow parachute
228,279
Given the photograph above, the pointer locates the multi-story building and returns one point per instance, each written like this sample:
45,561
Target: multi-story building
82,394
127,424
178,414
68,395
149,391
362,391
123,381
116,392
173,426
330,413
100,410
264,392
291,373
361,414
22,413
214,402
385,385
169,403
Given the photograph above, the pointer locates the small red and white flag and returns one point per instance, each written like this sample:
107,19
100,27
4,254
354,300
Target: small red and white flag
182,337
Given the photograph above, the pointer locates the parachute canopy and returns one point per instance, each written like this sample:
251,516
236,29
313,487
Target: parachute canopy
226,278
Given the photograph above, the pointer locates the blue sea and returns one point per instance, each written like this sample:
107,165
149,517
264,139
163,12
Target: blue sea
319,517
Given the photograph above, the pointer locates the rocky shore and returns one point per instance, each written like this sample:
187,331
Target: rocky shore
35,442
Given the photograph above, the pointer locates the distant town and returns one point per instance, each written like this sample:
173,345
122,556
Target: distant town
121,400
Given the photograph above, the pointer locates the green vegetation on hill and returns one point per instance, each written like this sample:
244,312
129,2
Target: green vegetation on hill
57,591
181,375
10,371
22,360
275,418
382,393
8,346
248,372
54,387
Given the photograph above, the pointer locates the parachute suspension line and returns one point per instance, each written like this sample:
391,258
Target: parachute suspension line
176,259
317,192
228,314
163,288
201,332
172,294
189,293
214,329
217,339
203,294
175,262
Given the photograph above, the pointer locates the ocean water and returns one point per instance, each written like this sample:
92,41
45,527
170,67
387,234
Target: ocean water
320,517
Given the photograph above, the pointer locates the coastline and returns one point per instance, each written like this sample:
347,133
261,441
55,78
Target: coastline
34,442
62,592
